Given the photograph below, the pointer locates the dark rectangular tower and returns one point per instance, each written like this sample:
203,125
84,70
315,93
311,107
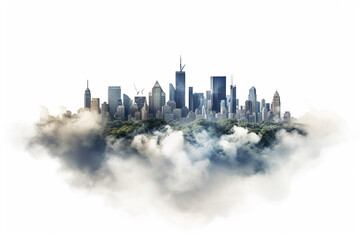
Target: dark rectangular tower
232,107
218,88
191,99
180,87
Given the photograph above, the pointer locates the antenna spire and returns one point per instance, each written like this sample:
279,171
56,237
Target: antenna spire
87,83
180,64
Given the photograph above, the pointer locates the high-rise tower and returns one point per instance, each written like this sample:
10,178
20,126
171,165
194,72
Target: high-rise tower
252,98
218,88
156,99
275,106
114,94
171,92
180,87
191,99
232,107
87,97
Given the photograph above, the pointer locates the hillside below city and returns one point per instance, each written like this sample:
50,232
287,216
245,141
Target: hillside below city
266,130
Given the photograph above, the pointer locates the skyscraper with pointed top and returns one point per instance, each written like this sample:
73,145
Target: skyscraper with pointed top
253,98
156,100
87,96
276,107
180,87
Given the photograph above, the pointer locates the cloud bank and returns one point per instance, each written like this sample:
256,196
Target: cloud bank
208,176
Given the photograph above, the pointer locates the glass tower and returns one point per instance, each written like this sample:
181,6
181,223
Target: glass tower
218,88
191,99
171,92
232,108
114,94
252,98
180,90
156,99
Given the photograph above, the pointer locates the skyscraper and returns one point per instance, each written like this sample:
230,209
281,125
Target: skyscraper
127,104
252,98
87,97
191,99
180,87
156,99
197,100
232,108
172,92
248,108
144,111
218,88
95,105
275,106
140,100
114,94
105,116
263,104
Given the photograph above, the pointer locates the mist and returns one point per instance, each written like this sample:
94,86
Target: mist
208,177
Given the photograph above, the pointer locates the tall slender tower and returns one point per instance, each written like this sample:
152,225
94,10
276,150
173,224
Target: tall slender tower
180,87
191,99
87,96
171,92
252,98
276,107
218,89
232,107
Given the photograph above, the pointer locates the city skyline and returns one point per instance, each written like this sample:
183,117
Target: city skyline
307,50
213,104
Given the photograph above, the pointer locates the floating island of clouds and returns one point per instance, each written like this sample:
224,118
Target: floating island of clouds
201,167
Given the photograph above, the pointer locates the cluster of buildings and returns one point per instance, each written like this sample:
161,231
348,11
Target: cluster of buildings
212,105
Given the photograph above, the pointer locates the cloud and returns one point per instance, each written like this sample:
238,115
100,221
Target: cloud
207,176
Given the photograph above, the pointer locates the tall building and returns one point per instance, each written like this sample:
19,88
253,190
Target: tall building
252,98
144,111
263,104
287,116
180,87
105,115
172,92
114,94
197,100
120,113
191,99
208,95
87,97
232,108
127,103
264,114
95,105
156,99
140,100
275,106
218,88
248,108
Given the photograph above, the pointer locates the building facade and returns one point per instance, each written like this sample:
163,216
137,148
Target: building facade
218,89
114,94
156,99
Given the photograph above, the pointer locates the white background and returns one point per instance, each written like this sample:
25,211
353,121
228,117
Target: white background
307,50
